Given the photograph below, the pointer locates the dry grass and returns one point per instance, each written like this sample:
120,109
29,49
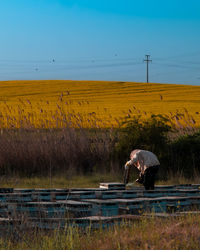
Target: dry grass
85,181
64,181
94,104
36,152
154,233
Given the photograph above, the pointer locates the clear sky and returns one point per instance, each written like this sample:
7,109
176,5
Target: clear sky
100,40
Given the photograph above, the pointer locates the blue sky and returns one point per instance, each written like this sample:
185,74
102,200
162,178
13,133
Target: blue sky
100,40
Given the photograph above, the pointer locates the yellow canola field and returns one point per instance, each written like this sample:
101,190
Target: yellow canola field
59,103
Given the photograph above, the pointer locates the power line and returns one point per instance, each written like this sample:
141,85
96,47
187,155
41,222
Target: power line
173,65
147,61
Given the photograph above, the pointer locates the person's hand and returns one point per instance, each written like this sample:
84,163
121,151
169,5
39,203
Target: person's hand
127,165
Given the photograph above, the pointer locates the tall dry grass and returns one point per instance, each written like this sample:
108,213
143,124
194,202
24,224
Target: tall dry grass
69,150
49,152
154,233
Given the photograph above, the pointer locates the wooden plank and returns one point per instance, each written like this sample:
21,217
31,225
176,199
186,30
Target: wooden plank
112,185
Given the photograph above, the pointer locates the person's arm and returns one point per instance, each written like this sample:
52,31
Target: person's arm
127,165
131,162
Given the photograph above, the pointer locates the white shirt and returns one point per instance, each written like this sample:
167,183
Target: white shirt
142,159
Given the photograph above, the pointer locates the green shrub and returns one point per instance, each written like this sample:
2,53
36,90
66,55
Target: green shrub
138,134
184,155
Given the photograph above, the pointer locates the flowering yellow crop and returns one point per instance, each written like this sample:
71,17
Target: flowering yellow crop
93,103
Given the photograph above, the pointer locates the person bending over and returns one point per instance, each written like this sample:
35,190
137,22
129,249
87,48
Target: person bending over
148,165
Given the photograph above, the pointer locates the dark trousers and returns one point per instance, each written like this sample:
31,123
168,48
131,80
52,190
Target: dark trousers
148,178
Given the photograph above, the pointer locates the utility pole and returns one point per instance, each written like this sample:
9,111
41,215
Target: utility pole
147,61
